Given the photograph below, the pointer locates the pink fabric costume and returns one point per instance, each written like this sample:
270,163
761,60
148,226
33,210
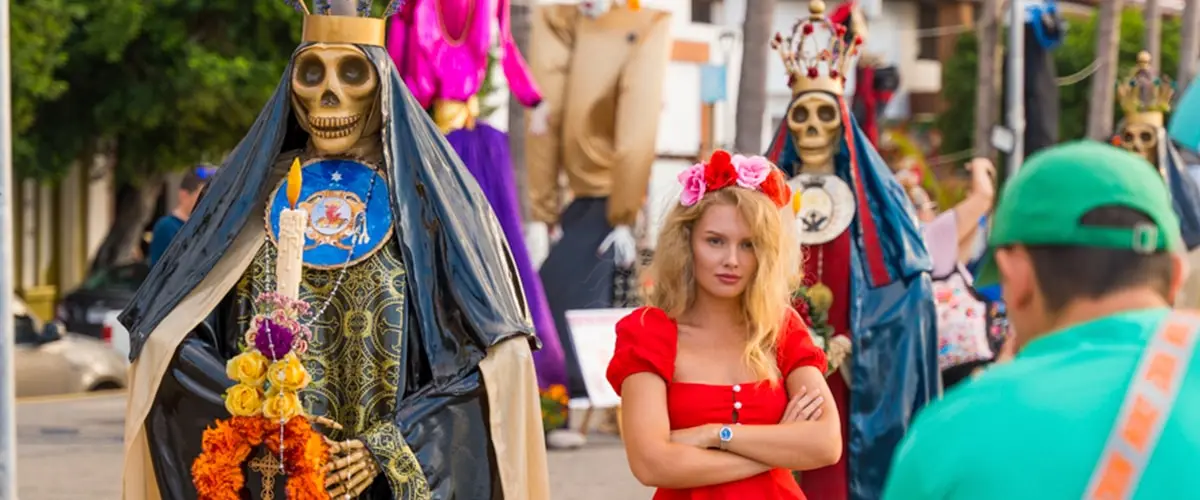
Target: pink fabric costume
441,49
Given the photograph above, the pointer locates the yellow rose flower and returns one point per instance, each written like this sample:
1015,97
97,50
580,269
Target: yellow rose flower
243,401
281,405
249,368
288,374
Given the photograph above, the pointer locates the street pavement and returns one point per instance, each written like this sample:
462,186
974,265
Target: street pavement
70,449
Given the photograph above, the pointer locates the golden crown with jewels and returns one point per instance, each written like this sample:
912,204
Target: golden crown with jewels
345,21
1144,95
816,55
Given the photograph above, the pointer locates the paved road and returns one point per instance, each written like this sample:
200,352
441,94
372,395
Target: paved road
71,449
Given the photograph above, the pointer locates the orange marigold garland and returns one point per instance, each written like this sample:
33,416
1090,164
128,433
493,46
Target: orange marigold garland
217,473
266,410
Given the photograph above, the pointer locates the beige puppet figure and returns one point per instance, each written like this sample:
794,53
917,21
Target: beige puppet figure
601,67
1145,97
414,319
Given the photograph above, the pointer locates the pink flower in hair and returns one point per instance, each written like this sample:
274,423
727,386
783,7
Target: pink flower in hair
752,170
692,180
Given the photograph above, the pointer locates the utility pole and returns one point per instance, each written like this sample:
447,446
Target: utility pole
985,95
1016,84
8,393
1152,13
1108,37
1189,54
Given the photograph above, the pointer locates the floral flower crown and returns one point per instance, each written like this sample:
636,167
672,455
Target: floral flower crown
723,170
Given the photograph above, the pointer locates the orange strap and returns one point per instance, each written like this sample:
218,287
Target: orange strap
1147,406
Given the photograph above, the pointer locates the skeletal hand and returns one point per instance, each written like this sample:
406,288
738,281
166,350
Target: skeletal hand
624,246
351,468
838,354
539,119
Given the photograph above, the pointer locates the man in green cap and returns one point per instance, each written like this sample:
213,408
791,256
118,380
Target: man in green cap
1100,401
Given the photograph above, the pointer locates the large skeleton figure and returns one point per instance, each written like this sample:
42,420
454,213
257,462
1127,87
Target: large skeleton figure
419,324
1145,97
865,263
601,70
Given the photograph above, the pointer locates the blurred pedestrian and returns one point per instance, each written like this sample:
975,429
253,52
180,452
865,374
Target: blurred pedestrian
189,193
964,340
1100,400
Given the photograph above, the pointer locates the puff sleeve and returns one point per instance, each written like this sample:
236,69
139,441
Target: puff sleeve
645,343
796,348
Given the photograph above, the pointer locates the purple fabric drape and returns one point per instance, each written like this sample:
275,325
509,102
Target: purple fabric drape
484,150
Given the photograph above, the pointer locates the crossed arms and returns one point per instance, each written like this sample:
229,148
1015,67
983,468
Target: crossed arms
808,436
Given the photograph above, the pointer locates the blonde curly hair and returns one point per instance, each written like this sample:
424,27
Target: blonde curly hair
670,282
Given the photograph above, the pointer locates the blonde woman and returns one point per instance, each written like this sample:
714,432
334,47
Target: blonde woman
722,387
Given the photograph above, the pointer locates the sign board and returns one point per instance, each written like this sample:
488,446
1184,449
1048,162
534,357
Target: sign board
594,332
713,83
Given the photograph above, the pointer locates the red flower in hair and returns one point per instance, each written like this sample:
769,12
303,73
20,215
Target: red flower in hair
812,73
776,188
719,172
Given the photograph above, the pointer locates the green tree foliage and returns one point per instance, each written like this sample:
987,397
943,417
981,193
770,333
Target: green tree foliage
39,28
170,83
1075,54
957,121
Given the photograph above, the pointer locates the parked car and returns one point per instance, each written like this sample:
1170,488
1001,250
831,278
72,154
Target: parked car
116,333
48,361
109,289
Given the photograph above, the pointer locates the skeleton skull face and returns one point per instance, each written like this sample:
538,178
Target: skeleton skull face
816,125
334,90
1141,138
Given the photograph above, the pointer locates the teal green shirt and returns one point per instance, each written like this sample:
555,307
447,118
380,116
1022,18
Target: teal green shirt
1035,428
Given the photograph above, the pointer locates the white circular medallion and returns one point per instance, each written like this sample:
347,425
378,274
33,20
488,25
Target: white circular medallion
826,207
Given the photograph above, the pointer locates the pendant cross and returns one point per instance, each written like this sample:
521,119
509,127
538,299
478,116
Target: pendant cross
268,466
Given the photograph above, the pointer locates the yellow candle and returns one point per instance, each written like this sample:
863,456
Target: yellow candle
289,262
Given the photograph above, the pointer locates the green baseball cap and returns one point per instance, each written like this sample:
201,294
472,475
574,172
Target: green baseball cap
1044,203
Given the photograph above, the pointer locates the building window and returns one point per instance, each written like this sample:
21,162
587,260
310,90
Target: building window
702,11
927,19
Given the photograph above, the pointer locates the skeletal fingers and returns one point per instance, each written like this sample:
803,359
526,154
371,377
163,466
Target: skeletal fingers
343,475
356,485
328,422
345,446
341,463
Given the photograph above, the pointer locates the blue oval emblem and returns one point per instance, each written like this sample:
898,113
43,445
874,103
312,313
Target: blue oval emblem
349,214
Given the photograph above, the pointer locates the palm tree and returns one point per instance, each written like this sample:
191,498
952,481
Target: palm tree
752,89
1108,36
1189,54
986,98
1153,43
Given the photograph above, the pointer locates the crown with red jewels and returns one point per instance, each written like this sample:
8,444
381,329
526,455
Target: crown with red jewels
816,56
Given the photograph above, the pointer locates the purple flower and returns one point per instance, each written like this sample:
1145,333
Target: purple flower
273,340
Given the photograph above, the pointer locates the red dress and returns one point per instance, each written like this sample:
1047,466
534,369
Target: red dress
647,341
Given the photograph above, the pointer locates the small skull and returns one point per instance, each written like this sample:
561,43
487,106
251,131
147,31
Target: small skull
816,125
1141,138
334,90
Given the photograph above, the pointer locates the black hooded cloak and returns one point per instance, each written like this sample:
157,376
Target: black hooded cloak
464,296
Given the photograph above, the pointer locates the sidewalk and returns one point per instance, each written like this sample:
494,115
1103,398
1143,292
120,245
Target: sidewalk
70,449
